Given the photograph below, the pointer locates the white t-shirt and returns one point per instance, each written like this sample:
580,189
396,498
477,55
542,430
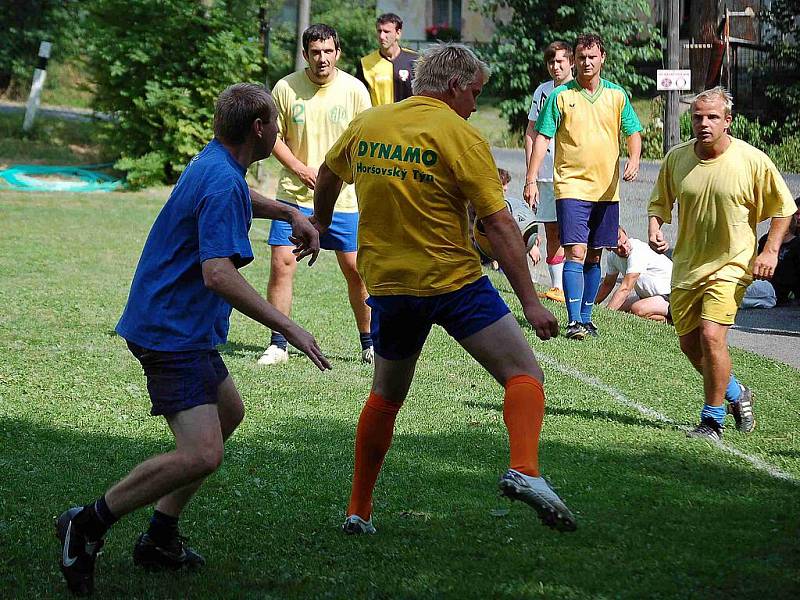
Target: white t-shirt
655,270
539,98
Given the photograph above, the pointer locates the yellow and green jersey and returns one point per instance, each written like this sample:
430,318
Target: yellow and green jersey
311,118
720,202
586,129
387,80
416,166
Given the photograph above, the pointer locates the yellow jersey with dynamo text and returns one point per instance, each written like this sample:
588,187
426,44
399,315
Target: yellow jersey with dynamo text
586,129
311,118
416,166
720,203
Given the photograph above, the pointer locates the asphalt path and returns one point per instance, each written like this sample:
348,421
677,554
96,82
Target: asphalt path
774,333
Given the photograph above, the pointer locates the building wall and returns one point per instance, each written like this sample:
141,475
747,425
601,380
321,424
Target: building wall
418,14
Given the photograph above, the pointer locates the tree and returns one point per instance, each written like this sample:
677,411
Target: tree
158,66
784,44
25,24
515,52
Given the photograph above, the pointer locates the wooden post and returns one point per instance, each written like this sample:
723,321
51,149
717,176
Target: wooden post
39,76
672,128
303,20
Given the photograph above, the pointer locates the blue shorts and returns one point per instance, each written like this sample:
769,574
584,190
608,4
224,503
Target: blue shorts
341,235
593,224
179,381
400,324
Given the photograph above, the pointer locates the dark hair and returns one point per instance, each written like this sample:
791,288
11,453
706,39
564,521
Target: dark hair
797,201
550,51
320,31
236,109
390,18
587,40
505,176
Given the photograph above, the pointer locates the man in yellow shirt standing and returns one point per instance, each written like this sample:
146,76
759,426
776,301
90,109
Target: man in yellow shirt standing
585,116
389,71
315,106
416,165
724,187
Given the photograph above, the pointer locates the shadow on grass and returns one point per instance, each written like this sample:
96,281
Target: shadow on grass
589,415
267,521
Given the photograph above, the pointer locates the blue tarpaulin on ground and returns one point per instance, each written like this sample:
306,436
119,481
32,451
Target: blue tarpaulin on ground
38,178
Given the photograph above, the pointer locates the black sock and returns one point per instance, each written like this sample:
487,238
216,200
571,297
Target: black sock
278,340
95,519
366,340
163,527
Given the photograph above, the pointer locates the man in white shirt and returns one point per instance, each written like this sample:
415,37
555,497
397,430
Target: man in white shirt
644,272
559,62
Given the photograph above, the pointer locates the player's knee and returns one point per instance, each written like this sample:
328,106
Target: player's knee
639,311
203,461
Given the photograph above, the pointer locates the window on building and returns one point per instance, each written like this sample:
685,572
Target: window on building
447,12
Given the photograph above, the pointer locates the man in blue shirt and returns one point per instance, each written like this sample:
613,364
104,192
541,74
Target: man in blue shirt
178,311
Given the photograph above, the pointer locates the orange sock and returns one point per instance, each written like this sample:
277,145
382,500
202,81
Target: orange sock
373,438
523,413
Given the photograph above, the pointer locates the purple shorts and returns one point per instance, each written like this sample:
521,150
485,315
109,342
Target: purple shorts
593,224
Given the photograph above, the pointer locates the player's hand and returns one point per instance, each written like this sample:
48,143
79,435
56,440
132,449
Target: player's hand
305,342
764,267
657,241
631,170
305,237
542,320
530,193
307,175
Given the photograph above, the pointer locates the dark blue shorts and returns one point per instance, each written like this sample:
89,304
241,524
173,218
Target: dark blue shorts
400,324
341,235
593,224
179,381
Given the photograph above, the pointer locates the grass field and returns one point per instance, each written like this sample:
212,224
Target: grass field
659,516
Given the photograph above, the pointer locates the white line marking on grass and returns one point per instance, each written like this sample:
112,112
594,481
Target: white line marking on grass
621,398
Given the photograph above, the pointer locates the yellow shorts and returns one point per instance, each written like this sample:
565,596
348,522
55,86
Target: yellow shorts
716,301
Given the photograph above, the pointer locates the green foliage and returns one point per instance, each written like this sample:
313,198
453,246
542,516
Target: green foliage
51,140
780,142
354,21
158,65
26,23
515,53
784,44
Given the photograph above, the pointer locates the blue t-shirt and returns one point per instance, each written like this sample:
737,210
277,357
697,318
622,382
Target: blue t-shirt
208,215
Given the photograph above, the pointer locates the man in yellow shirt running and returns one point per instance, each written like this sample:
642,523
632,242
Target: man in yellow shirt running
315,106
416,165
724,188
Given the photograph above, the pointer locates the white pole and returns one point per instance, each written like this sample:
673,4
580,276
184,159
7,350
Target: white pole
39,75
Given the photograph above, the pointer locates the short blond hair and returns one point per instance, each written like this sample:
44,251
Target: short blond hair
714,93
441,63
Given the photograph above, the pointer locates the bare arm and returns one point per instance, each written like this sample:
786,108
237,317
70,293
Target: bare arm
531,192
609,281
530,135
634,155
764,266
655,236
325,195
509,250
304,234
619,297
221,277
306,174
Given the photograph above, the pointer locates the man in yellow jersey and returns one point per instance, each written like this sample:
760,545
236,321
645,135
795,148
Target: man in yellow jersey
416,165
315,106
724,188
585,117
389,71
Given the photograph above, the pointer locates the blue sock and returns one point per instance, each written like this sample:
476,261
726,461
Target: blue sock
163,527
714,412
278,340
733,391
573,288
366,340
591,285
